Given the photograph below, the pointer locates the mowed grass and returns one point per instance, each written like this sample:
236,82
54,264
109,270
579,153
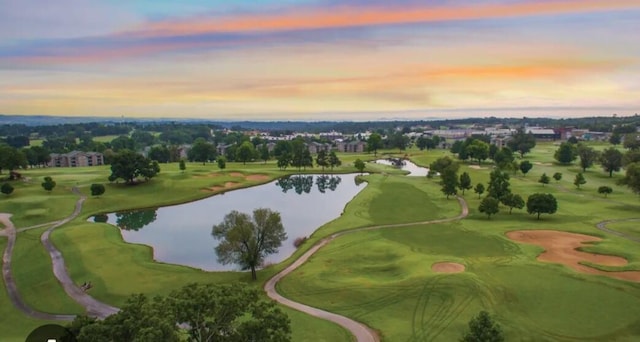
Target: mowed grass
15,326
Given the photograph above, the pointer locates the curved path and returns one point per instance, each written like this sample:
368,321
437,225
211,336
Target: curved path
603,227
92,306
361,332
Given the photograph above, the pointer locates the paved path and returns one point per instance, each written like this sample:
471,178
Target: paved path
92,306
603,227
361,332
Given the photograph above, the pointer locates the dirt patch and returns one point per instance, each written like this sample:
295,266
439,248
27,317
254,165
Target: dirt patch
447,267
210,175
227,185
545,164
259,178
477,167
562,247
236,174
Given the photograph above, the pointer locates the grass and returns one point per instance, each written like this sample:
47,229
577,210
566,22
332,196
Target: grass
384,277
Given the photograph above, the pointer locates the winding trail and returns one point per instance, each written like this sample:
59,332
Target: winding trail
361,332
92,306
603,227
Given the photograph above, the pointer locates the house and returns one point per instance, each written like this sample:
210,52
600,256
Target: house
315,147
76,159
221,149
353,146
546,134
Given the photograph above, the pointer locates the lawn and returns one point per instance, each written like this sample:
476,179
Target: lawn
383,277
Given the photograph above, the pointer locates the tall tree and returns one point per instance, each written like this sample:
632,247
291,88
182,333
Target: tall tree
449,182
284,160
566,153
503,158
539,203
122,142
479,189
525,166
544,179
322,159
246,241
587,156
202,151
631,141
359,164
522,142
182,165
374,143
611,160
11,158
489,206
444,163
478,150
161,154
483,329
264,153
615,139
579,180
498,185
222,162
245,152
129,165
632,177
605,190
334,161
513,201
399,141
465,182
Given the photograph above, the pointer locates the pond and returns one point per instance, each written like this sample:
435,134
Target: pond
407,165
181,234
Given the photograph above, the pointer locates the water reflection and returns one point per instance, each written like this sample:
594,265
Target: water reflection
407,165
303,183
136,219
325,182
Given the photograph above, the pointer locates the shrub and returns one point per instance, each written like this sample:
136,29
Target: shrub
299,241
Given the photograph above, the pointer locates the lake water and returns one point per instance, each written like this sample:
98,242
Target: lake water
181,234
414,170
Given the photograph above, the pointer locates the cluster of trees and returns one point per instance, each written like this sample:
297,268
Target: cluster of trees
479,148
204,312
129,165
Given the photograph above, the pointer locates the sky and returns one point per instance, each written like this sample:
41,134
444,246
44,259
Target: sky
320,59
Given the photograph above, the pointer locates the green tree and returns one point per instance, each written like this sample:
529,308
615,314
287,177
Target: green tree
630,157
322,159
525,166
48,184
498,184
605,190
544,179
444,163
483,329
160,154
136,219
566,153
503,158
449,182
615,139
557,176
229,312
489,206
122,142
522,142
479,189
182,165
247,241
222,162
264,153
579,180
611,160
539,203
587,156
359,164
245,152
374,143
201,151
97,189
284,160
399,141
129,165
12,158
465,182
334,161
422,143
632,177
631,141
6,189
478,150
513,201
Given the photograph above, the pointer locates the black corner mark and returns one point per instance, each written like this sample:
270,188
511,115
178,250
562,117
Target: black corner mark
51,333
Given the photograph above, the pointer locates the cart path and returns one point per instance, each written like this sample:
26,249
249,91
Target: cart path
92,306
603,227
360,331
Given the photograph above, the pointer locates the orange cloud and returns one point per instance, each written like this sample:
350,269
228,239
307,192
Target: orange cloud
349,16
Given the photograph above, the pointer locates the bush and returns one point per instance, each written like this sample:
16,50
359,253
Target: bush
299,241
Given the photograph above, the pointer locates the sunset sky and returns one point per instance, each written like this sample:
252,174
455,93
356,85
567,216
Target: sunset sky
320,59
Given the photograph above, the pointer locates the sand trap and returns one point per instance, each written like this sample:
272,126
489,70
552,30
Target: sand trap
447,267
227,185
561,247
545,164
477,167
236,174
257,177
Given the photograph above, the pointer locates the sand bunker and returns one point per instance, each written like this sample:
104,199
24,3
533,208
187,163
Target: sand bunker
477,167
545,164
227,185
236,174
259,178
447,267
561,247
